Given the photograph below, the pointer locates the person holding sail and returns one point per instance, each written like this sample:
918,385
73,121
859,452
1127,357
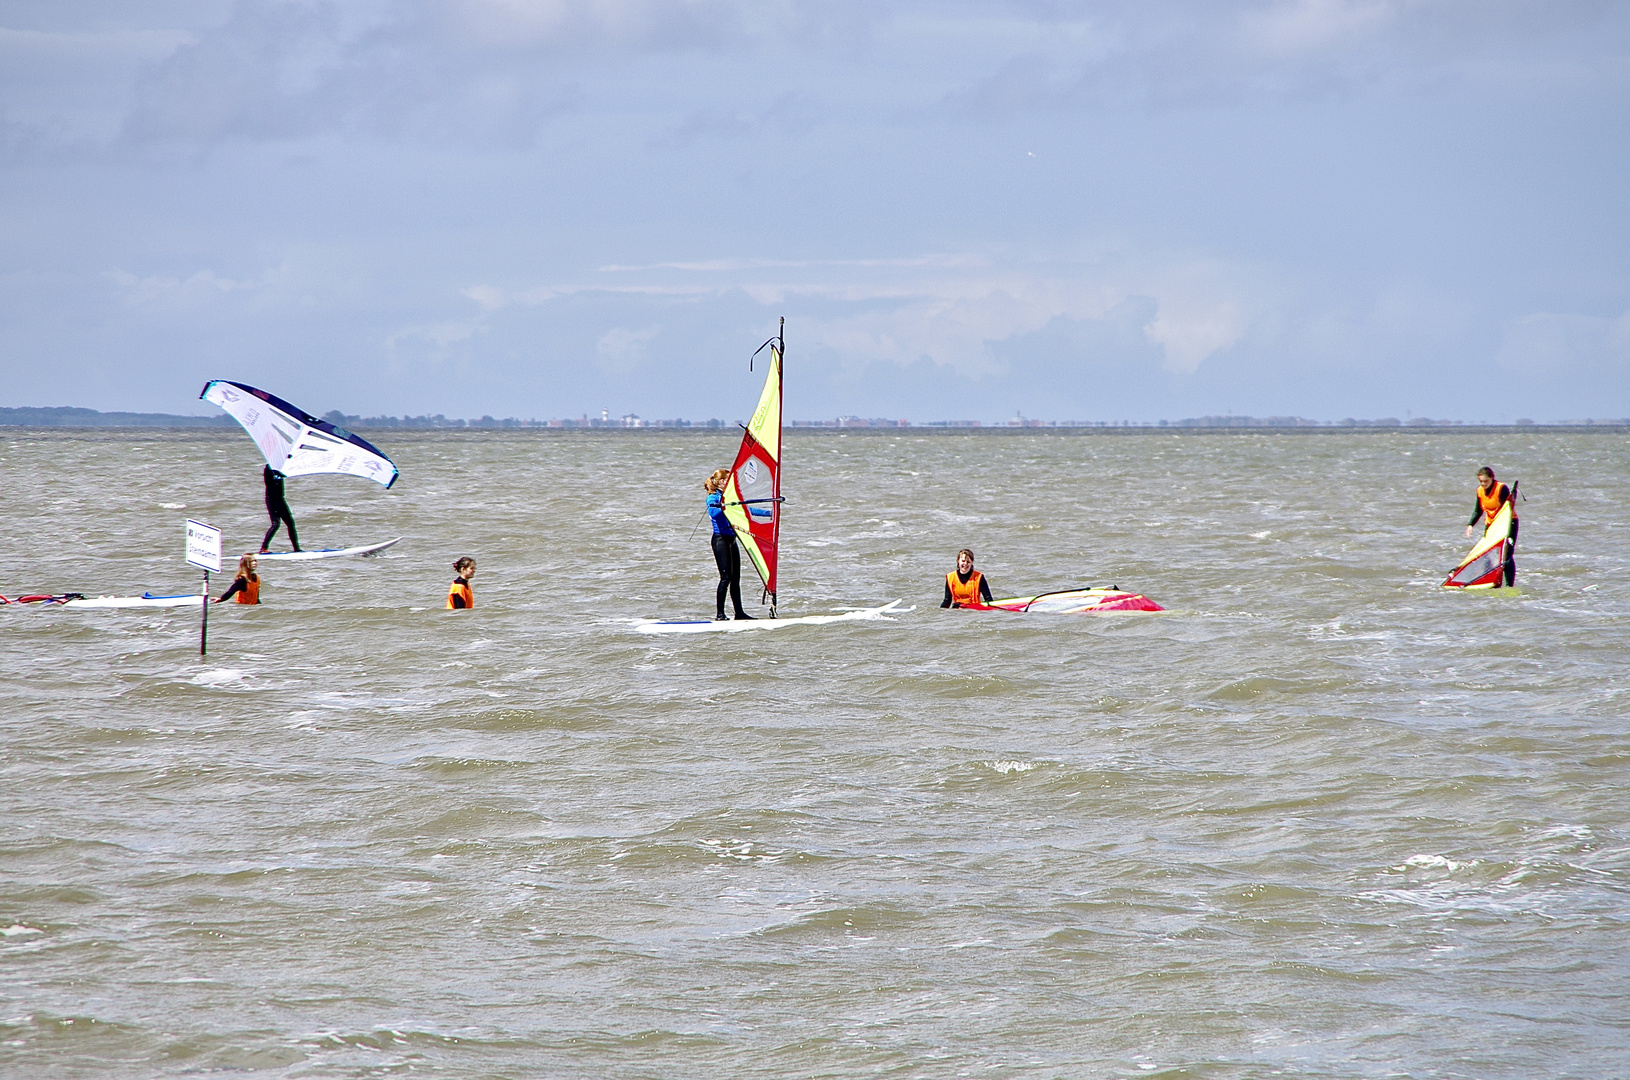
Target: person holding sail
725,552
1491,495
277,507
965,586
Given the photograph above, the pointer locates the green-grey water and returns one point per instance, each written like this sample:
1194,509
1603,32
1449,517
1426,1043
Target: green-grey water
1323,819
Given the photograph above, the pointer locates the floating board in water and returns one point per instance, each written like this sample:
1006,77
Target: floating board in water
79,600
1075,602
735,626
322,553
1484,566
146,600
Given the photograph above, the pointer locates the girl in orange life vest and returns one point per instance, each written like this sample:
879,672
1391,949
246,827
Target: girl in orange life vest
965,586
1491,495
458,593
247,584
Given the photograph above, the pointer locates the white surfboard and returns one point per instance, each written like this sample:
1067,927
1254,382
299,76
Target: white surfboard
322,553
148,601
734,626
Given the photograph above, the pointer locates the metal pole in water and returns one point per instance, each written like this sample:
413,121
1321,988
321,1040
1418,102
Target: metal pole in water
203,627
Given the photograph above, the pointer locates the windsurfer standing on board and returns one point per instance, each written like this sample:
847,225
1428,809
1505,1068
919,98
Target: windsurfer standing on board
725,552
277,507
965,586
1491,495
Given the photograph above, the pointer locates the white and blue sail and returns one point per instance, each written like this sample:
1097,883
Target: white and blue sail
294,442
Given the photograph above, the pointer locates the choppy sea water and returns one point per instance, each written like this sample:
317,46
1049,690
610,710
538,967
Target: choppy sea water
1323,819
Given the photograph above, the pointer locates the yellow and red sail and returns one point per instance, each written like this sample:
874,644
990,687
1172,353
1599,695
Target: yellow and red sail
752,495
1484,566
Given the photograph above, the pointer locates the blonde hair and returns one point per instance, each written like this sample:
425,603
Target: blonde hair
716,481
246,567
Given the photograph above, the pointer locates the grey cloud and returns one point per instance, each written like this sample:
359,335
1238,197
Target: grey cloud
1127,55
465,70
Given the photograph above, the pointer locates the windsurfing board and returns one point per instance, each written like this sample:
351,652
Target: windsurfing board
322,553
738,626
144,601
1075,602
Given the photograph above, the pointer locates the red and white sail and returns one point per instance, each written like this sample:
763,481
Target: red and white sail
1077,602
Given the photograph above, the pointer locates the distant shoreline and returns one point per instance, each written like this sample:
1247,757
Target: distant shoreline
76,418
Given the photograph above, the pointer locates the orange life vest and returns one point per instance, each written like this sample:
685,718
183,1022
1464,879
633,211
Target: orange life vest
1492,501
459,594
250,593
964,595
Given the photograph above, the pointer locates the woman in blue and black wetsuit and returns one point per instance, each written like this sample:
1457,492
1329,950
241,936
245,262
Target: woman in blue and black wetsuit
725,552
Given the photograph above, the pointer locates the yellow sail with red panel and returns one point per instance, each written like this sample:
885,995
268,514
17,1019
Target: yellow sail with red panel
752,494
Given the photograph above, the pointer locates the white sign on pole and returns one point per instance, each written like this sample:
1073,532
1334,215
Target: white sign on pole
203,545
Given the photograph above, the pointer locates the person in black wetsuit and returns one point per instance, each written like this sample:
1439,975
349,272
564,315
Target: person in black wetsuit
725,551
278,508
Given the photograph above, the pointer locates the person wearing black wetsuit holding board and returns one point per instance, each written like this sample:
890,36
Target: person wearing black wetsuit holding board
1491,495
278,508
965,586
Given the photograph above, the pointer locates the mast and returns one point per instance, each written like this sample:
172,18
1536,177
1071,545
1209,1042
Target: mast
780,436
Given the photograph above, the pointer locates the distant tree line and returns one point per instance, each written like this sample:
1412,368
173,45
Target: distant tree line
63,416
68,417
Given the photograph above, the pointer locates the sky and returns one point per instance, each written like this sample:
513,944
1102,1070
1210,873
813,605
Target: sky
1107,210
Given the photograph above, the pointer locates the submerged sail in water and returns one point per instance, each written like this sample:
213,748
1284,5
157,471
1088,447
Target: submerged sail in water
1077,602
294,442
1484,566
752,495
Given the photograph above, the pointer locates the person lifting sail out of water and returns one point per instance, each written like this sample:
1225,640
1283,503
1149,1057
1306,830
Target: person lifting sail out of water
1491,495
725,552
277,507
965,586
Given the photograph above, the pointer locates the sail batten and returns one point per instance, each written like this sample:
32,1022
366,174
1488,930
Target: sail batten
294,442
752,494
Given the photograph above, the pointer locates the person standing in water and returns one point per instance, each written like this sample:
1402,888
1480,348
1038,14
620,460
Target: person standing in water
459,594
965,586
725,552
278,508
246,586
1491,495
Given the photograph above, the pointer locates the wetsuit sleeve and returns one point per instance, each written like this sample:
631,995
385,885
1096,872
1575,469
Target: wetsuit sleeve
1477,512
947,601
984,588
715,512
237,587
